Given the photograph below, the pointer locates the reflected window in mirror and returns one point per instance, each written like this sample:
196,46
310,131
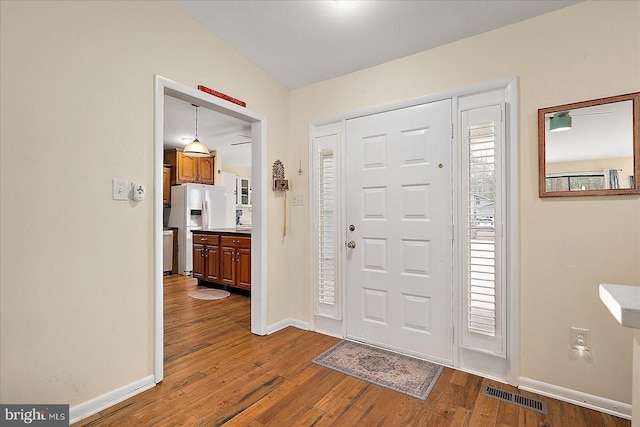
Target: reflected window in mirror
590,148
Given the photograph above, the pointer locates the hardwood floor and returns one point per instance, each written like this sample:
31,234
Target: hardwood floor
218,373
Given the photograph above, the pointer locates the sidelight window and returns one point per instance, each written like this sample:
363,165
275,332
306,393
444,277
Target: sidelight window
325,226
483,193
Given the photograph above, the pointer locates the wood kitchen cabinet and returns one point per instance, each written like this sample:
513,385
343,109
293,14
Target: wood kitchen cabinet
185,169
222,258
166,185
235,265
206,258
244,267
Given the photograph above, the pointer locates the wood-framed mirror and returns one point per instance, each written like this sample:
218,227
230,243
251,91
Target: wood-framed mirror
590,148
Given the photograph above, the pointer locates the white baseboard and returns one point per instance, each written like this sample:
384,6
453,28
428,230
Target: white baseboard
97,404
611,407
275,327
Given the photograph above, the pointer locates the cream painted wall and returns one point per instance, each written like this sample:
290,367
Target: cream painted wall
568,247
243,171
77,83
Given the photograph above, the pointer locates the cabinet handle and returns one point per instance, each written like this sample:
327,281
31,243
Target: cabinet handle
204,239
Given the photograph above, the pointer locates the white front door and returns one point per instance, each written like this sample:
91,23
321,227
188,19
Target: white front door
399,201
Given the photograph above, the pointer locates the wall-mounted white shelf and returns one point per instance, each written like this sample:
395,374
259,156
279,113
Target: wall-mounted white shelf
623,302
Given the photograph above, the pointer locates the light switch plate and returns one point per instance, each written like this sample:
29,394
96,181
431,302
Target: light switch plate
297,200
120,189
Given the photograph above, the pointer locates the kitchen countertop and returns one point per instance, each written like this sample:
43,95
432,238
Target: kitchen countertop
242,231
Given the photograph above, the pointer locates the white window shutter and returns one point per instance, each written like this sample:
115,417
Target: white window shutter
325,227
484,194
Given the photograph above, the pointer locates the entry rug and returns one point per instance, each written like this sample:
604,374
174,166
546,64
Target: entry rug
394,371
209,294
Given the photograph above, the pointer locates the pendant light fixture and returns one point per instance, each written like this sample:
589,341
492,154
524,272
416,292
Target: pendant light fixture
196,148
560,121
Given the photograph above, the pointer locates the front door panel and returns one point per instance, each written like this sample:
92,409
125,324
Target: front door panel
399,198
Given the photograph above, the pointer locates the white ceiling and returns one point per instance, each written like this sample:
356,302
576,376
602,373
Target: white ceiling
303,42
598,132
217,131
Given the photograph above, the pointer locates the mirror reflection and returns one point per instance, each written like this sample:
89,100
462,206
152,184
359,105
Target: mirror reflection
588,147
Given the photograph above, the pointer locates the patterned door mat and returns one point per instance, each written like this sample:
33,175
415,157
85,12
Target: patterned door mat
405,374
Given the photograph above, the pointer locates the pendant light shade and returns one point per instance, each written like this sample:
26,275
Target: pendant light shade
196,148
560,121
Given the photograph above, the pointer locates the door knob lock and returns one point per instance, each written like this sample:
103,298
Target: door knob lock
352,227
351,244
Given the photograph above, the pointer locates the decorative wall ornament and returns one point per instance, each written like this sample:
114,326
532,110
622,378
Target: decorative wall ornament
281,184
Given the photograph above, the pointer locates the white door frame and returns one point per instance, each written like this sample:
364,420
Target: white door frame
164,86
510,86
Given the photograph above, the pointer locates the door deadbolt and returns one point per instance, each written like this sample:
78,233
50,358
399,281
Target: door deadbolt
352,227
351,244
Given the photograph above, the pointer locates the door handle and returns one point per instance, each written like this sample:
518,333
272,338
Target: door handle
351,244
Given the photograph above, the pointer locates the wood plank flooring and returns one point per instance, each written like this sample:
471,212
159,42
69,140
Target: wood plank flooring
218,373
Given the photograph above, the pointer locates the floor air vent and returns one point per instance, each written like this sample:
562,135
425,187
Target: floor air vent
516,399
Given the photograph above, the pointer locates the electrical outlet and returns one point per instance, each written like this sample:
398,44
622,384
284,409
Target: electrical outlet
580,339
138,191
120,189
297,200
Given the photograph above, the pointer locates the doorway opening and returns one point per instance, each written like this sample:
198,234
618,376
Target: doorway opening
257,133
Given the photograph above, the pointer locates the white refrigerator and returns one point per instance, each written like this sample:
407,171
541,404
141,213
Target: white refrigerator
195,207
228,180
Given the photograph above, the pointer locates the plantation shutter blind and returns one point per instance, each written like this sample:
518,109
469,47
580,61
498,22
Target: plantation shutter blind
483,290
325,226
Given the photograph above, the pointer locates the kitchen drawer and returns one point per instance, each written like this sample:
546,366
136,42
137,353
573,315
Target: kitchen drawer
235,241
206,239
